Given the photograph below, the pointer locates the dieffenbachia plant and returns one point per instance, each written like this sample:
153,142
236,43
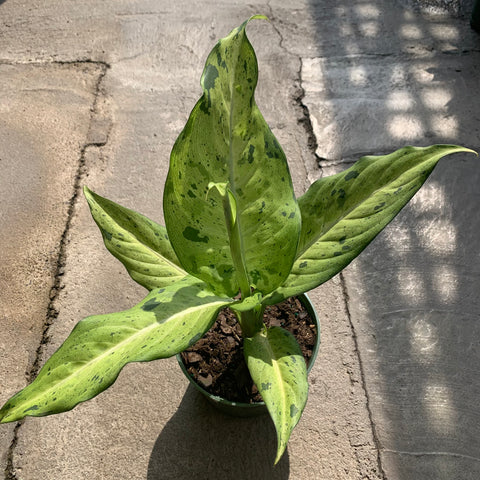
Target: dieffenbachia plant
233,226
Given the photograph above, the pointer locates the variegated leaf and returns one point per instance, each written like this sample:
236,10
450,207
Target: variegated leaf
227,142
138,242
343,213
166,322
278,369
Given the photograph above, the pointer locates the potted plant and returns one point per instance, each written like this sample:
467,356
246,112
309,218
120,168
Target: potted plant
216,367
235,236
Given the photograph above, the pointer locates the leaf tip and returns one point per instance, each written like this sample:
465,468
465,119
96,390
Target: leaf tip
469,150
259,17
6,414
461,149
87,192
457,149
280,451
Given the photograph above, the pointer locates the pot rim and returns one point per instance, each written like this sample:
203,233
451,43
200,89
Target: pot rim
307,303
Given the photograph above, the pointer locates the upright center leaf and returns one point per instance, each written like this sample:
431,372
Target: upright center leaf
227,141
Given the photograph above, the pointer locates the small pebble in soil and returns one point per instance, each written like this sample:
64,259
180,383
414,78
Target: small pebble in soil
205,381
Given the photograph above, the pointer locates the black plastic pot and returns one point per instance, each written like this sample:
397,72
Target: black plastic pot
238,409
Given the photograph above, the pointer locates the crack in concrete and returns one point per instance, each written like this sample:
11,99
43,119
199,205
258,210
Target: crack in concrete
9,468
376,439
303,117
271,16
430,454
78,61
415,53
305,121
52,312
350,159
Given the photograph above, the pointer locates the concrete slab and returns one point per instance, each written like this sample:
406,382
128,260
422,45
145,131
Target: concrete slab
363,105
411,294
45,114
420,346
149,424
372,27
146,96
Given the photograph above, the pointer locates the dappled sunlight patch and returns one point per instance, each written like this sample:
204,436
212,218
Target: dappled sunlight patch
446,126
369,29
401,240
424,339
444,32
410,31
445,282
367,10
411,284
436,98
437,236
405,127
358,75
431,198
409,303
423,76
400,100
439,406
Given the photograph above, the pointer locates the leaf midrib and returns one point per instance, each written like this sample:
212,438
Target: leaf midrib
117,346
231,165
278,372
145,246
348,212
151,250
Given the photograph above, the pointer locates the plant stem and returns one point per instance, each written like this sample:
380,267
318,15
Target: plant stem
251,321
236,250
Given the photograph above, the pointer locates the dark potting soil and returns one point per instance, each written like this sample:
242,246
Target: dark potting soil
216,361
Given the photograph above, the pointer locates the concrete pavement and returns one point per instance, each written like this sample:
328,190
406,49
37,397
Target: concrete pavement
96,92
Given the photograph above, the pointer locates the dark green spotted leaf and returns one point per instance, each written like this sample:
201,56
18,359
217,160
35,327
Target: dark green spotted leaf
138,242
343,213
227,143
278,369
166,322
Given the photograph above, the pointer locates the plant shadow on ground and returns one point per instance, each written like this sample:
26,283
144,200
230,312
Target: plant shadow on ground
391,77
200,442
